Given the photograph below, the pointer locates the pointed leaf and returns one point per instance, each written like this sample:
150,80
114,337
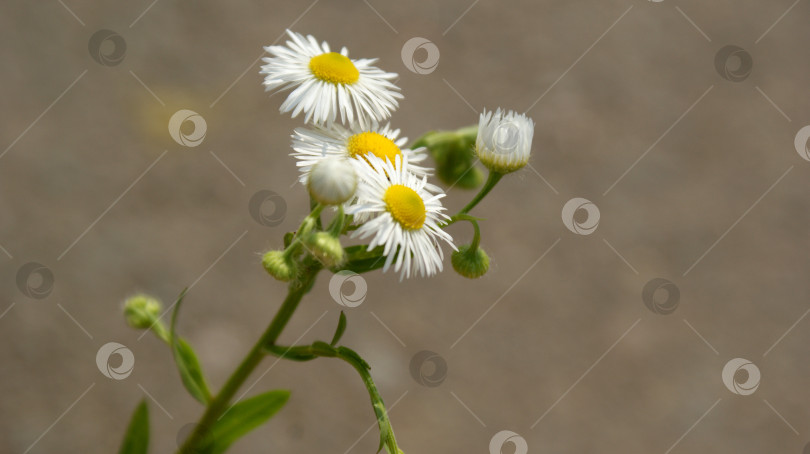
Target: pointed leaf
186,359
288,237
340,329
244,417
136,440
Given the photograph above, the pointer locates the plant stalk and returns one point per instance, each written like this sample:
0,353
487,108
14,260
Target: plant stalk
221,402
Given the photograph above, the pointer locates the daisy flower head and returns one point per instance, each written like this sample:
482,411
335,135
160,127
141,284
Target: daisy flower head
504,140
325,83
314,144
403,216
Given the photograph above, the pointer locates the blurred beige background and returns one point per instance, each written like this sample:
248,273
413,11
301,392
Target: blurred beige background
560,350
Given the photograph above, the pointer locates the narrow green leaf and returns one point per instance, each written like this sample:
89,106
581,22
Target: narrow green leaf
244,417
340,329
291,353
363,265
187,362
321,348
136,440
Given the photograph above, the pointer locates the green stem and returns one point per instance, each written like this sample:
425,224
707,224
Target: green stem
220,404
476,236
336,226
492,180
324,350
312,220
312,206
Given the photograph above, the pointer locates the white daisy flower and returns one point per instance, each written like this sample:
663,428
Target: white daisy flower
504,140
312,145
404,216
326,82
332,181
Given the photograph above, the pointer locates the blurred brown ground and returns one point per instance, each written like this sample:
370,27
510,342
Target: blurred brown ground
539,350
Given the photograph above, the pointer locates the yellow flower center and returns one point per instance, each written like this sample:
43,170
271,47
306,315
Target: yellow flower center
374,143
405,206
334,68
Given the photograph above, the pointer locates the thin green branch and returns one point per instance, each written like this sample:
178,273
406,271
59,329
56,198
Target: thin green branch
322,349
221,402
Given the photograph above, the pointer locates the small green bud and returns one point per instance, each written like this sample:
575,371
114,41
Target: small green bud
326,248
454,154
141,311
279,265
470,264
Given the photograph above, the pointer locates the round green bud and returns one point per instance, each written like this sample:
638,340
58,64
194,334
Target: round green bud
470,264
279,266
141,311
326,248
